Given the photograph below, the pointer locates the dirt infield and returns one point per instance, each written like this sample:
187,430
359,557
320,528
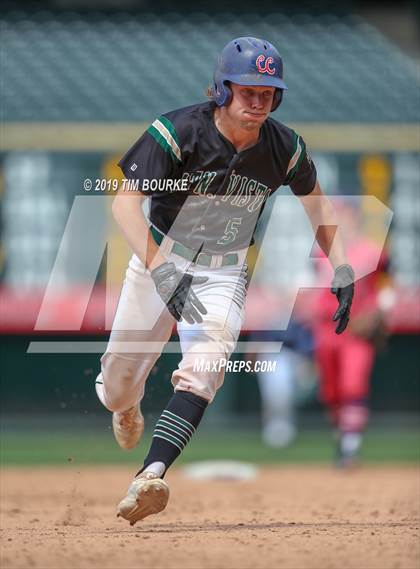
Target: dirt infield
289,517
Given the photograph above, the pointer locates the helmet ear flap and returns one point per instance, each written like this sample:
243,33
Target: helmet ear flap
228,92
278,96
222,93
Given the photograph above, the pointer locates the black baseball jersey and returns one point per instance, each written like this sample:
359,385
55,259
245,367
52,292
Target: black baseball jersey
204,193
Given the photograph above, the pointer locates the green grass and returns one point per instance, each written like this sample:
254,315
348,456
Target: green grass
62,448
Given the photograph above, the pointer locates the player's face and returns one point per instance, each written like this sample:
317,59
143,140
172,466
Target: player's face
250,105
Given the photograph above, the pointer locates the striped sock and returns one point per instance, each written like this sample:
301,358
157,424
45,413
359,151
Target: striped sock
175,428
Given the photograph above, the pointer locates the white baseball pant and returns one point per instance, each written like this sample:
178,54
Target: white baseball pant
143,325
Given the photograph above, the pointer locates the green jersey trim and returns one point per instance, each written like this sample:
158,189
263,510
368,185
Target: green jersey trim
296,159
164,133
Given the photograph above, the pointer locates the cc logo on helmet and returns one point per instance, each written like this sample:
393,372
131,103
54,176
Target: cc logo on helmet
265,65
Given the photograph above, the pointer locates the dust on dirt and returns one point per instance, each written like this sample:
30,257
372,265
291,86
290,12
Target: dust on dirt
287,518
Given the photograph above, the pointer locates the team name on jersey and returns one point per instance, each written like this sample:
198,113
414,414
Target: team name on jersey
240,191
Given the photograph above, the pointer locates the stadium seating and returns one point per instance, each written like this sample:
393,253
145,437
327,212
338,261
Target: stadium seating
131,68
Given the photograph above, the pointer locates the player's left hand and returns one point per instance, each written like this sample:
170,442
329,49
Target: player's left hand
343,287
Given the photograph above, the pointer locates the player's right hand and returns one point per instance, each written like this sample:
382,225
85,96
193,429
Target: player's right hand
175,289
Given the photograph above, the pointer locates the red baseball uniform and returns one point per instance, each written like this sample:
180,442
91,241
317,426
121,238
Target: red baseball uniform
345,362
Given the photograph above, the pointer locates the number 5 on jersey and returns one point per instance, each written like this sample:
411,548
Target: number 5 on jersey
231,231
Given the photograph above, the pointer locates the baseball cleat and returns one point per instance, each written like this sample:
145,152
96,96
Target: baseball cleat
128,427
348,451
147,494
347,460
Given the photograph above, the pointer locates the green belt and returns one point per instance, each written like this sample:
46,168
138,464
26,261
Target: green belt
190,254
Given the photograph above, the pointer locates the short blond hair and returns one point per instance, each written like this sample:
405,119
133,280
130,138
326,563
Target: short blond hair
209,92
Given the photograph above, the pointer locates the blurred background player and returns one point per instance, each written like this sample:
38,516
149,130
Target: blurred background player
279,388
345,362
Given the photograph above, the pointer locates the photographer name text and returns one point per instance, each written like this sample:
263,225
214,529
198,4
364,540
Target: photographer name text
126,185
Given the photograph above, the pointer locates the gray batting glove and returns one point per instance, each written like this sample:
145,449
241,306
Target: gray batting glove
343,287
175,289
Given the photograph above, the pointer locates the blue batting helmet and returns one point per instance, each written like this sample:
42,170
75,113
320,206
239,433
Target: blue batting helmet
248,61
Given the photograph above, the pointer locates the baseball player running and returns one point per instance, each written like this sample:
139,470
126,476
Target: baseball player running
206,171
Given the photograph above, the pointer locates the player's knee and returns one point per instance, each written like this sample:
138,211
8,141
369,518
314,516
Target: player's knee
123,371
221,342
123,381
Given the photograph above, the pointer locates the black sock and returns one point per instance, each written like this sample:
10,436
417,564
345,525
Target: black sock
175,427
